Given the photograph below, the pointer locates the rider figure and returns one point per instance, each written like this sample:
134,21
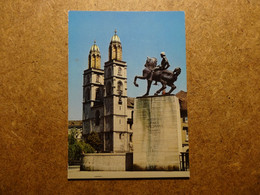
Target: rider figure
164,65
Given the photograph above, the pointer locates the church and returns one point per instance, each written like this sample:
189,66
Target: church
108,111
106,108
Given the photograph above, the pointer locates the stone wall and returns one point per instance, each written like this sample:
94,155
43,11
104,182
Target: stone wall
107,162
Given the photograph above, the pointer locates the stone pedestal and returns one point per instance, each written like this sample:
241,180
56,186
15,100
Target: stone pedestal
157,133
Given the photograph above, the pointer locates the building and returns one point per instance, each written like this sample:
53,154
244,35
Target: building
108,111
106,108
184,119
76,125
184,156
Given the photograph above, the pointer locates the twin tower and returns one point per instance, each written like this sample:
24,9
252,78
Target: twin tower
105,109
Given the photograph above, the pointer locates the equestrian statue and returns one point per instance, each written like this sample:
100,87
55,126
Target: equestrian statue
159,73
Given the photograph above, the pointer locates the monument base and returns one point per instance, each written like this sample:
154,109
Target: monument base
157,134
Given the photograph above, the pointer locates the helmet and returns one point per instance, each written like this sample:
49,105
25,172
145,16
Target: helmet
163,53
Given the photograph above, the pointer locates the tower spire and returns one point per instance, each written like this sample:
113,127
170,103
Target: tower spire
94,58
115,48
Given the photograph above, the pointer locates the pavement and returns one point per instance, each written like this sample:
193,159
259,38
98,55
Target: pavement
75,173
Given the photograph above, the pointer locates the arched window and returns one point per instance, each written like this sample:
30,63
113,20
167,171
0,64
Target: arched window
114,52
131,138
93,61
97,118
109,72
97,94
187,136
87,95
119,52
109,88
97,78
119,87
119,71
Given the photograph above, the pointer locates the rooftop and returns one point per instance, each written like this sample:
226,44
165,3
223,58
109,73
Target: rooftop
182,95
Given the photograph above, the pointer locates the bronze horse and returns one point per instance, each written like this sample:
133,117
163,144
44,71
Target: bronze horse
165,77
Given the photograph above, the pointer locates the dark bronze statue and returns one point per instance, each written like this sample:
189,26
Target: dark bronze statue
164,65
152,72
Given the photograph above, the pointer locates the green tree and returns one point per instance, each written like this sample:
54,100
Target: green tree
71,137
85,147
77,148
74,152
94,140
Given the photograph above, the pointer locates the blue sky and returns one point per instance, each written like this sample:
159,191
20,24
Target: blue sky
142,34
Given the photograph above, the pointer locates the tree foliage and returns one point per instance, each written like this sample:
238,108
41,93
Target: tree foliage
71,137
77,148
94,140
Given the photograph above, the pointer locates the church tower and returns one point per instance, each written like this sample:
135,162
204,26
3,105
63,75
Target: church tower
116,135
93,81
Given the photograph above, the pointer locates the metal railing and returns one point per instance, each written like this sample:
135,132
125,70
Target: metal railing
184,161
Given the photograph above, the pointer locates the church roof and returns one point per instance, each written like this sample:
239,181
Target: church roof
94,47
75,123
115,38
130,102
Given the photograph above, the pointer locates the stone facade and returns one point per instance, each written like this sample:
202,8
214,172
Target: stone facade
105,102
157,137
182,96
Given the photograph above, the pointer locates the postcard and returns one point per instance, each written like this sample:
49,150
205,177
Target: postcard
127,95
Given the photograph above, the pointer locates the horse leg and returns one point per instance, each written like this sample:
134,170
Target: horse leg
162,88
148,88
172,88
138,77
